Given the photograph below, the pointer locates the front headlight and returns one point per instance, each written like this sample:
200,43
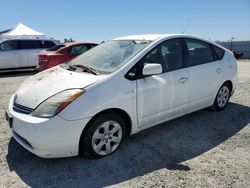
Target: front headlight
55,104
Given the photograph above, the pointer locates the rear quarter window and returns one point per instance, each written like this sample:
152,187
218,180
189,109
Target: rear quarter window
219,53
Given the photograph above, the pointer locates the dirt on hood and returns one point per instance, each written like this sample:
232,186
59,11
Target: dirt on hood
41,86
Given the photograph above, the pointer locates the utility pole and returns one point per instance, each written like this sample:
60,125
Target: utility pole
231,43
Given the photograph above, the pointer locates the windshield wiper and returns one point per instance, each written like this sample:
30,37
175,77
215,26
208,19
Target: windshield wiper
84,68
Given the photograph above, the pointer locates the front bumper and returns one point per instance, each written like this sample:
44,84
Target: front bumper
48,138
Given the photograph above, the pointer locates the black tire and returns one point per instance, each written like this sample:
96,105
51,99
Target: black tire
217,106
86,148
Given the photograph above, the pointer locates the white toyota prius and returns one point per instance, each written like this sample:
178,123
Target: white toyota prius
88,105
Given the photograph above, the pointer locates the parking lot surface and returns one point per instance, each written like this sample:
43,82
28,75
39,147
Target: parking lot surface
202,149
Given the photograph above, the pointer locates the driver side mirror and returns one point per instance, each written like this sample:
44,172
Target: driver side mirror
152,69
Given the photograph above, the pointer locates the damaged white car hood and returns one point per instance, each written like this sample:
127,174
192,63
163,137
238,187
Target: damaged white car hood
41,86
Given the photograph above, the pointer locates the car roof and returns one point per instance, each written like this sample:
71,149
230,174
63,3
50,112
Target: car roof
153,37
78,43
18,39
149,37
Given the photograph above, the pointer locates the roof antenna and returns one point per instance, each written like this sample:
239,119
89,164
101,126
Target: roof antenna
186,26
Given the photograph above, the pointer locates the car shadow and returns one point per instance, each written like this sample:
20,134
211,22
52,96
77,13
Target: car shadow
17,73
164,146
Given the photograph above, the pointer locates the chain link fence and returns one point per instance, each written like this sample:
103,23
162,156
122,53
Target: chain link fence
239,47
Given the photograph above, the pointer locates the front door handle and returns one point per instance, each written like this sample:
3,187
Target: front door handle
183,80
219,70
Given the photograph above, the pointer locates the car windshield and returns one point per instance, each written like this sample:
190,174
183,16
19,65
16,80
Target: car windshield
109,56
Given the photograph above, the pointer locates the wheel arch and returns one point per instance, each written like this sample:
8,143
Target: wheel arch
230,83
118,111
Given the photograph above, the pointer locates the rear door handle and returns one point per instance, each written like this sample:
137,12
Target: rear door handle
183,80
219,70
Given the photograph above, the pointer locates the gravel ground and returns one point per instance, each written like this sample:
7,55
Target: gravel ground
202,149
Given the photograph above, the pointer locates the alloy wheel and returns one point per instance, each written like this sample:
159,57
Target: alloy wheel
223,96
107,137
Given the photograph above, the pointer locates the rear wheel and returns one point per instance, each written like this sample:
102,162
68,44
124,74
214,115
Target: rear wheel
222,97
103,136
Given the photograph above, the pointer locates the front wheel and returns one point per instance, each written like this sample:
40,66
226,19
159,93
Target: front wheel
222,98
103,136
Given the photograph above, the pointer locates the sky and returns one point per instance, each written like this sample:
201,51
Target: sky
98,20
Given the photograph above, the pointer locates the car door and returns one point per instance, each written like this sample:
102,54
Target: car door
29,50
205,73
9,55
164,96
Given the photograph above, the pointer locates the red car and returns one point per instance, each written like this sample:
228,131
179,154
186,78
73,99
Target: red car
62,53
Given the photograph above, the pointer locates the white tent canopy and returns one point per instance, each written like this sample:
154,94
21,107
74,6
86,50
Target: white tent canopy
22,31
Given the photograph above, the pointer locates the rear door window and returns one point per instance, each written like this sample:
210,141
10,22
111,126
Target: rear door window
79,49
9,45
198,52
30,44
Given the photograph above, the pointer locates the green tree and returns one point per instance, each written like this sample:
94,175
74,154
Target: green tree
68,40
